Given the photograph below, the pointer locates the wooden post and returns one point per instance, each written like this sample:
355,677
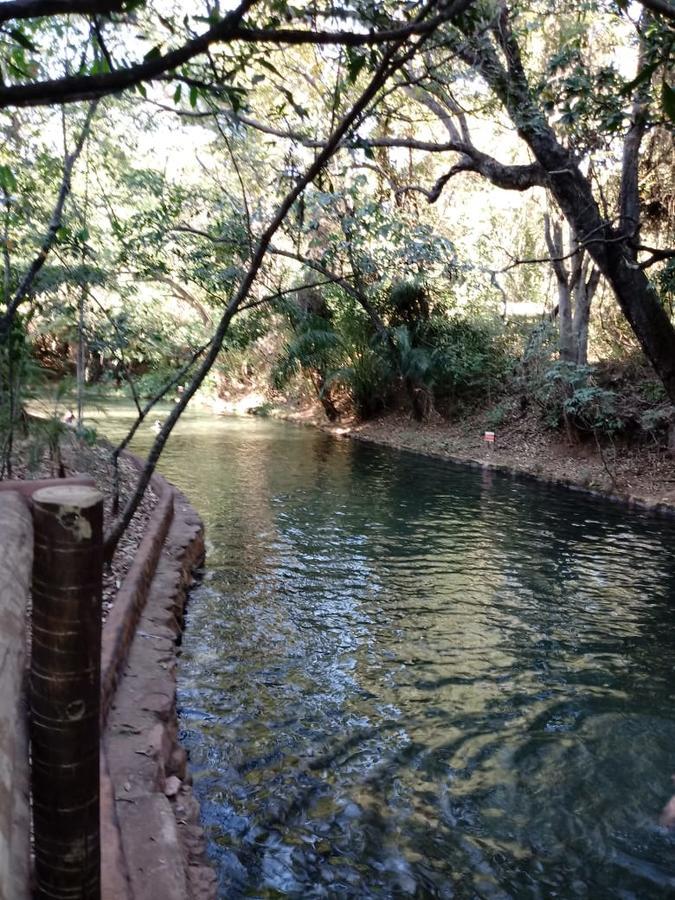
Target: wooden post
65,691
16,554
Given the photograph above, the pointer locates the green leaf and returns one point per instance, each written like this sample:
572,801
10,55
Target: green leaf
641,77
355,62
177,93
668,100
7,179
141,90
268,65
194,93
99,66
155,53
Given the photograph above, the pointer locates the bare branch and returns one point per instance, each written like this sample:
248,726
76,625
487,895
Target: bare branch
28,279
391,62
86,87
510,177
657,255
140,418
358,294
185,295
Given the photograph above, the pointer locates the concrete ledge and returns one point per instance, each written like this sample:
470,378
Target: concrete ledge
120,625
153,809
27,488
114,872
16,557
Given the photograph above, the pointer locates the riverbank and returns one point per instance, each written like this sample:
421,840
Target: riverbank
152,842
639,475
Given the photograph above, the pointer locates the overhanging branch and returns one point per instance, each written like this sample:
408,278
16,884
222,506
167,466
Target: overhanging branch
31,9
87,87
662,7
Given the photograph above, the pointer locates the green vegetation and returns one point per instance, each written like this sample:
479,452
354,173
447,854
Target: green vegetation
431,208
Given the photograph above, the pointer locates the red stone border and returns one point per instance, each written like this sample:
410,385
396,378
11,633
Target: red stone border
119,628
152,843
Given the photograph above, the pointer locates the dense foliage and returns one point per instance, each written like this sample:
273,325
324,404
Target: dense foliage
431,207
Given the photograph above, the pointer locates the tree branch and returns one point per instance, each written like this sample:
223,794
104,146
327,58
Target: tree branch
391,62
514,177
28,279
86,87
358,295
32,9
662,7
657,255
185,295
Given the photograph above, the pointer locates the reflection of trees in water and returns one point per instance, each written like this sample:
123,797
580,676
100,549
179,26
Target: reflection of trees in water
415,657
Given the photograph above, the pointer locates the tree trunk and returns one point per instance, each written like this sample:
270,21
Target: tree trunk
611,252
584,292
81,356
611,249
556,248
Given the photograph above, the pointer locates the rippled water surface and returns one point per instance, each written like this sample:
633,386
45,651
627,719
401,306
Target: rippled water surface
401,678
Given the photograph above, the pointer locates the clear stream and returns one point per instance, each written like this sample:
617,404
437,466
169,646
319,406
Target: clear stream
403,678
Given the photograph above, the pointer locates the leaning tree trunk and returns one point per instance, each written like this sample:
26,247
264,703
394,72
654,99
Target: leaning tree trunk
612,249
612,253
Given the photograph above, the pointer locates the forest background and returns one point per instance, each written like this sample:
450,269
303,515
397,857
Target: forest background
459,211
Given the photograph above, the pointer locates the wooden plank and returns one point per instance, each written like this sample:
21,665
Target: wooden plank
16,555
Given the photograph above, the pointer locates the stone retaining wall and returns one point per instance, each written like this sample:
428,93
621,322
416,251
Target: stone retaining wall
152,843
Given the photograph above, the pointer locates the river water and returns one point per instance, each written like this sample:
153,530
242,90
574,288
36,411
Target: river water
403,678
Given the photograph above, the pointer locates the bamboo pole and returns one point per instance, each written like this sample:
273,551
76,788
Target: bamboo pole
65,691
16,553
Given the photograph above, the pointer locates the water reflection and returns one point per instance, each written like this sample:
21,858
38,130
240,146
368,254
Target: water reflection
401,678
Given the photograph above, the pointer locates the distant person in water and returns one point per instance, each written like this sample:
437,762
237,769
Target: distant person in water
68,417
667,817
157,426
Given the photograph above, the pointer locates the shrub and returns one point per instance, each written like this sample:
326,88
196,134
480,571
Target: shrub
568,395
468,358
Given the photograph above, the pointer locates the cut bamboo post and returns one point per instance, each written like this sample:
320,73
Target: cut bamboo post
16,553
65,691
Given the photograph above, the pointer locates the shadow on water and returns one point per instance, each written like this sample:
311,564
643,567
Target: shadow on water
402,678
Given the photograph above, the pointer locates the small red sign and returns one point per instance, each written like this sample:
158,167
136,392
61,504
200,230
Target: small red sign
489,437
